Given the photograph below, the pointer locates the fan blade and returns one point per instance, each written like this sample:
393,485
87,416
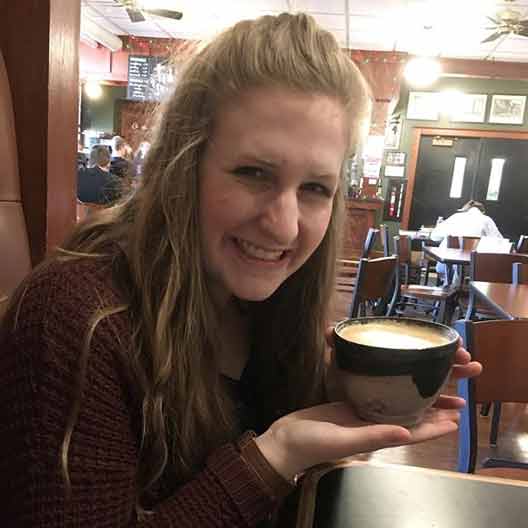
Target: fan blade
522,32
494,36
135,15
167,13
494,20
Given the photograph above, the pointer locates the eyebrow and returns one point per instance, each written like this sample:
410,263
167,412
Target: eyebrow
319,172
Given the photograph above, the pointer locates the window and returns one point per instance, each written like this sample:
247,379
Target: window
457,179
495,179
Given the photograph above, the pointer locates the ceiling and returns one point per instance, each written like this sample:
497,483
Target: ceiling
446,28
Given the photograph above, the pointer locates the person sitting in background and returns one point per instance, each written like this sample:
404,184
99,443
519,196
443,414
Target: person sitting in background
120,166
471,221
139,160
96,184
191,385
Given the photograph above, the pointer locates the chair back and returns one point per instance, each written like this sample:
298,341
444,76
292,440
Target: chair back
522,244
500,346
374,282
494,267
370,240
15,260
467,243
385,241
520,273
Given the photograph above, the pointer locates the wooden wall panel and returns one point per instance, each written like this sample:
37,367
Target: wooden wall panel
40,43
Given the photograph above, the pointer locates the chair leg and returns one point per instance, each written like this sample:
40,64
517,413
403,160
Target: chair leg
494,432
441,313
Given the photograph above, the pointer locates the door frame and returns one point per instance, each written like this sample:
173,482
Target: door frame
417,135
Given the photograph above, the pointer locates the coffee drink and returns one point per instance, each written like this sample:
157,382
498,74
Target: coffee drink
389,334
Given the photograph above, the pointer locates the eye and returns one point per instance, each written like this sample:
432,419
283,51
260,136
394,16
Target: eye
318,188
252,172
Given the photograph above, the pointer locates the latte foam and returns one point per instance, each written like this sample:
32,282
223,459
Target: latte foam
393,335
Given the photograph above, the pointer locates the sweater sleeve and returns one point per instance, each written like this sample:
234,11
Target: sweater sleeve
39,361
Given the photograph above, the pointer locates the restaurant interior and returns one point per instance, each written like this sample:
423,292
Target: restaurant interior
449,85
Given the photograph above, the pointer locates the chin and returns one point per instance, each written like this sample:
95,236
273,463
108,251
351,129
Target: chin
254,294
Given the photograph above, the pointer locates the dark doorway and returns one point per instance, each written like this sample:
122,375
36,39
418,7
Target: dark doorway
492,171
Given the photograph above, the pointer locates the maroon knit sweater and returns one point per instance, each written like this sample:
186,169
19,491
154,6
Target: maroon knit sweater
38,363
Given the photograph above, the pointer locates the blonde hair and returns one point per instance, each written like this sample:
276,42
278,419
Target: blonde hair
186,413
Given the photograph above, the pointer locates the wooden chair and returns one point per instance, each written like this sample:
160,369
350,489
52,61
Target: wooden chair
490,267
462,242
370,240
347,268
522,244
440,300
385,241
374,287
520,273
500,347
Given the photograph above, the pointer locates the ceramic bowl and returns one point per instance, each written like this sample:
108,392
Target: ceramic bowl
395,366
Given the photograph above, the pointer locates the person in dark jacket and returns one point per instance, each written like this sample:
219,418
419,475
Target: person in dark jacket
97,184
120,166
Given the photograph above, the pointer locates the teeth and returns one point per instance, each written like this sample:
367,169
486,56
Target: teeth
258,252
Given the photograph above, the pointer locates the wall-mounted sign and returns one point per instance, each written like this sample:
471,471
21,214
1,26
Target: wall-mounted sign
443,142
149,78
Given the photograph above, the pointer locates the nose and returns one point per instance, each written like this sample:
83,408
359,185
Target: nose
280,217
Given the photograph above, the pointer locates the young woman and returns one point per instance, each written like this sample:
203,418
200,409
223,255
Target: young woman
165,368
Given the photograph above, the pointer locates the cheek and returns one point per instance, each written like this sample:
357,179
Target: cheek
317,226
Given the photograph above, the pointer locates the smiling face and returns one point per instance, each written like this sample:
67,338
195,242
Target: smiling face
267,183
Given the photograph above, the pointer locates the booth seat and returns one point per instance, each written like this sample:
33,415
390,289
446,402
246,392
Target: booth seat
15,260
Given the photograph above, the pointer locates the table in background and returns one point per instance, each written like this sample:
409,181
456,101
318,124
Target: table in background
508,300
365,495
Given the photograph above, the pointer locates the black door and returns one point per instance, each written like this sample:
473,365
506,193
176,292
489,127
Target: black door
495,172
506,195
434,175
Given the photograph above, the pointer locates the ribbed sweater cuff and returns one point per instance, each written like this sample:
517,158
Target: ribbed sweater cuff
241,483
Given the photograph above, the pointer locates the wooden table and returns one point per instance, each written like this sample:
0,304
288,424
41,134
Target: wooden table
448,255
366,495
508,300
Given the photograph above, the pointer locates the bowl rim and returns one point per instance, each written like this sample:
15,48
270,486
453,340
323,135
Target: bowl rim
452,334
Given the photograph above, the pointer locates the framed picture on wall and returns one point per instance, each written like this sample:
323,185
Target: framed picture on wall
469,108
394,198
423,105
393,134
507,109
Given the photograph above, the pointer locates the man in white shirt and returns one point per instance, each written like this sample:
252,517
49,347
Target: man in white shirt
470,220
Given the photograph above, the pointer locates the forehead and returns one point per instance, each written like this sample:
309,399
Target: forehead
276,121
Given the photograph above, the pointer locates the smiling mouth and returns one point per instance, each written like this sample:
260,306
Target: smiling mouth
256,252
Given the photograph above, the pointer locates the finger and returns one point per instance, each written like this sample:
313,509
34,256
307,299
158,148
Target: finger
431,431
472,369
329,336
462,356
449,402
368,438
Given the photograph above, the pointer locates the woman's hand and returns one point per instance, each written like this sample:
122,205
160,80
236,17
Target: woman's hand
328,432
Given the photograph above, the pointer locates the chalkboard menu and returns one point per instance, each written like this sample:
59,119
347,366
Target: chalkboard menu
149,78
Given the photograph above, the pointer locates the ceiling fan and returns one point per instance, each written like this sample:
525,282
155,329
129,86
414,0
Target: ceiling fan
135,12
507,22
